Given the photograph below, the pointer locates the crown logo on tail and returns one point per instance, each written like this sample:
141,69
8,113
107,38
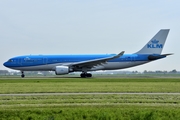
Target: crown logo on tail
154,41
154,44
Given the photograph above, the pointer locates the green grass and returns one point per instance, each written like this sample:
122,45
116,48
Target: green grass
90,107
41,85
92,113
78,100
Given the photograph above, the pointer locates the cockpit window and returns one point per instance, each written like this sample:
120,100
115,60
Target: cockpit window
10,60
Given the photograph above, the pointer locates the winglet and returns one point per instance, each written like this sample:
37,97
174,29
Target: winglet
119,55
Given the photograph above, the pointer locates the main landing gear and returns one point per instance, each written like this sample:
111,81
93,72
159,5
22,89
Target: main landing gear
84,75
22,74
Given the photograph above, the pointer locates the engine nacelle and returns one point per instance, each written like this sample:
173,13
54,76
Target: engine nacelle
61,70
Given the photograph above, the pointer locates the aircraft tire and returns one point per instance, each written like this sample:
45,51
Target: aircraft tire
89,75
83,75
22,75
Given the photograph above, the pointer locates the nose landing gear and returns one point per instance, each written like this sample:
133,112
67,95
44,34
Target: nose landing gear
22,74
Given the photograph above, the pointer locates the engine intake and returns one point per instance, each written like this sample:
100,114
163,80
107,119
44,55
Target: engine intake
61,70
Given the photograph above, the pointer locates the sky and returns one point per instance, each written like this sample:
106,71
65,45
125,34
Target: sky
88,26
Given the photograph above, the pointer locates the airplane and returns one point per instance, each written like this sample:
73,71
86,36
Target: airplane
65,64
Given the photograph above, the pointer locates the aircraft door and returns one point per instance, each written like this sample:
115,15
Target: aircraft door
19,61
45,60
132,58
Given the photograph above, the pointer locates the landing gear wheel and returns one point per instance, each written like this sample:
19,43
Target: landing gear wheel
88,75
22,74
84,75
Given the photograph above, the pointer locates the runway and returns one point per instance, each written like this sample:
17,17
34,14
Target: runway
48,94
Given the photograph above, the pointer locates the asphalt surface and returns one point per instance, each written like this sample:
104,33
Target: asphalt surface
44,94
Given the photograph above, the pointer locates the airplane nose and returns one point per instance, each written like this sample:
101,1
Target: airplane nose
5,64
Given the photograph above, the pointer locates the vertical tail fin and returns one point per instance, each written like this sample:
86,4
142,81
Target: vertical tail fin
156,44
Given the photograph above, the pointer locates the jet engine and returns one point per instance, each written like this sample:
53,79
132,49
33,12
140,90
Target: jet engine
61,70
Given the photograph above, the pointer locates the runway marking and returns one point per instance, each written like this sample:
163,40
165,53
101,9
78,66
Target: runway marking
44,94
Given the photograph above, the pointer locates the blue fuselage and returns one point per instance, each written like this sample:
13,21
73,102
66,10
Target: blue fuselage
31,62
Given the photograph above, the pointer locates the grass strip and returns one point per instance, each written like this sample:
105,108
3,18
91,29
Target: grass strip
55,85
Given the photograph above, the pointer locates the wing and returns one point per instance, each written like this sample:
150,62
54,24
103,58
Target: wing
94,62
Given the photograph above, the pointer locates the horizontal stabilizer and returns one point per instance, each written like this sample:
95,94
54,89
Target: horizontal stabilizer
168,54
155,57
